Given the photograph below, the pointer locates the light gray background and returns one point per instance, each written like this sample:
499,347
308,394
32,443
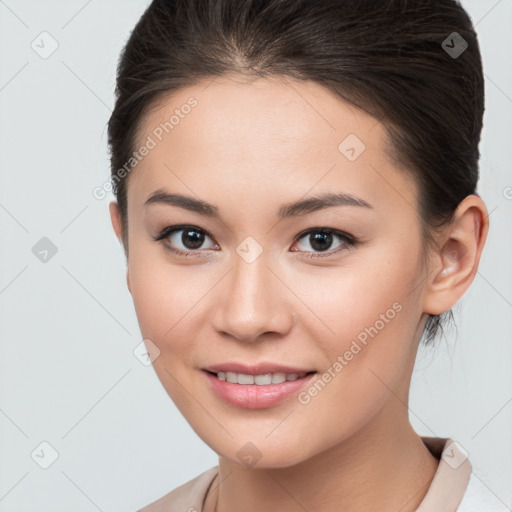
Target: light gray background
68,328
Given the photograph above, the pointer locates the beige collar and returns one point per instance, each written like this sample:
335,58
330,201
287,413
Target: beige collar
451,478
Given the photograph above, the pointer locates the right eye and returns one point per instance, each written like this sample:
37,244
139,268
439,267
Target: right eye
191,238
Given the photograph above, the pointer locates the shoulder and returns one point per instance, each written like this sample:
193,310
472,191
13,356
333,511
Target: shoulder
187,497
479,497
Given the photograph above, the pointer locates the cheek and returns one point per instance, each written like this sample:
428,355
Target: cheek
157,293
168,301
164,297
347,300
367,357
369,315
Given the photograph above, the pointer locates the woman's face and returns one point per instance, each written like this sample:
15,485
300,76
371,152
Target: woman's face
262,284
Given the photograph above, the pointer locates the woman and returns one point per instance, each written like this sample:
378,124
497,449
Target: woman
296,198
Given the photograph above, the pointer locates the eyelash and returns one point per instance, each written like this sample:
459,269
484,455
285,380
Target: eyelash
350,241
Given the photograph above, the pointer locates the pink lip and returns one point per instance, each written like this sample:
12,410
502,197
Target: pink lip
256,369
252,396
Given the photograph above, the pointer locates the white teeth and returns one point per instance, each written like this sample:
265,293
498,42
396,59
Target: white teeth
278,378
245,379
232,377
259,380
262,380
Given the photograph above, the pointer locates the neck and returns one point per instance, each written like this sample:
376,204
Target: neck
384,465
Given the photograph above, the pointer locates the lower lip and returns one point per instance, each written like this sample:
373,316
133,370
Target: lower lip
253,396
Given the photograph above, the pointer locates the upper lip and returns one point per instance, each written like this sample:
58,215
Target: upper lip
255,369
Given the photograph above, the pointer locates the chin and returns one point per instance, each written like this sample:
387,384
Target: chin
263,455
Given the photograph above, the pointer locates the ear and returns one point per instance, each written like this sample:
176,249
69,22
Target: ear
117,224
115,218
455,264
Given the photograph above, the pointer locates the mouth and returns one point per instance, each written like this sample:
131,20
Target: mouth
263,379
258,390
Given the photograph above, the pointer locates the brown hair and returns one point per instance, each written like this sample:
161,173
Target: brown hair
398,60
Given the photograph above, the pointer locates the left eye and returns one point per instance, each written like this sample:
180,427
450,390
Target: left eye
321,240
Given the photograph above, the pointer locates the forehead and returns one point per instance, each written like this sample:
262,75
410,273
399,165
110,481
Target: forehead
281,111
260,137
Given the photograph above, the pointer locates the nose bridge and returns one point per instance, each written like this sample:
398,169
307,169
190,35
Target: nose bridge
251,301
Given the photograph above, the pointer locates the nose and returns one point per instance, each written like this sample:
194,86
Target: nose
253,300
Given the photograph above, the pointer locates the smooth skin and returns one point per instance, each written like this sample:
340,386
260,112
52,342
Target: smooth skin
248,148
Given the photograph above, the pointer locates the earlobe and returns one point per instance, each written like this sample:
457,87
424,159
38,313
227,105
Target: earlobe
457,260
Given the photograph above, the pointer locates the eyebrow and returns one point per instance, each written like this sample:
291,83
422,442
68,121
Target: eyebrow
300,207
